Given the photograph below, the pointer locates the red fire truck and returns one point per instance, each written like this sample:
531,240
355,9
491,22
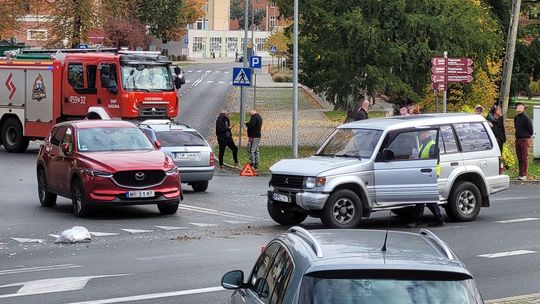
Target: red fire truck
40,90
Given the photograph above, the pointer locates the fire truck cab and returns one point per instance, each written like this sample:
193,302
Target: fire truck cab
40,90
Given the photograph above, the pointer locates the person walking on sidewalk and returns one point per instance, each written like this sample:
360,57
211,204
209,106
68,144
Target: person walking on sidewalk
254,126
524,131
224,137
496,122
362,113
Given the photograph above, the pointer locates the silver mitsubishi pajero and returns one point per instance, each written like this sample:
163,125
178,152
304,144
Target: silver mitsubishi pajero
391,163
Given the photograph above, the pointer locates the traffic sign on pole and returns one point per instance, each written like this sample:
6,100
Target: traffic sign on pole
273,49
440,61
242,77
464,70
255,62
436,78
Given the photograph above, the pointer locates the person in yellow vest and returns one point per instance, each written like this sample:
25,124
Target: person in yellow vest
427,150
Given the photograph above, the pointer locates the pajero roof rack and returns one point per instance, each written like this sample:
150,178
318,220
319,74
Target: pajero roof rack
307,236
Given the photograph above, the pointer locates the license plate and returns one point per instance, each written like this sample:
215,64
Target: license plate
140,194
281,197
186,155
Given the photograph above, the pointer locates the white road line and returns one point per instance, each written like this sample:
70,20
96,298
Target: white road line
188,81
519,220
203,225
209,81
134,231
505,254
199,71
25,240
189,71
104,233
221,213
159,257
169,228
226,72
221,81
154,296
235,222
509,198
40,268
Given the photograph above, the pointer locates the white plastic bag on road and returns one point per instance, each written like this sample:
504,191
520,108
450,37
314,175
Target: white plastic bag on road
76,234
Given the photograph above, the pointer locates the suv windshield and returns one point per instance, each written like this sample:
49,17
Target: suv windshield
388,291
146,77
112,139
351,143
179,138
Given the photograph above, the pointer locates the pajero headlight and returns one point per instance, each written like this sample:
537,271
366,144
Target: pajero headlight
312,182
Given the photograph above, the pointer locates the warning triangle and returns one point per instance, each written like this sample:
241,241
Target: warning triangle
242,78
248,171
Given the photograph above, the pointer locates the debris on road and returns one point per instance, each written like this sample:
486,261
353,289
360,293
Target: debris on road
77,234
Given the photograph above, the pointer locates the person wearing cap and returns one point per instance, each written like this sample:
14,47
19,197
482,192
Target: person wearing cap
479,110
524,132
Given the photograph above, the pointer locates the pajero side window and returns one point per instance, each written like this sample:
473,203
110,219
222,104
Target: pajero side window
473,137
76,75
447,140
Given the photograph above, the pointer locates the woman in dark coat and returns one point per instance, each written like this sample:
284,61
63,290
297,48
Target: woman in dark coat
496,122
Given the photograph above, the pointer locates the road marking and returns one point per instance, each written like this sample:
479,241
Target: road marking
158,257
40,268
154,296
221,81
199,71
24,240
226,72
200,79
235,222
51,285
104,233
519,220
509,198
218,71
203,224
169,228
221,213
189,71
505,254
134,231
209,81
188,81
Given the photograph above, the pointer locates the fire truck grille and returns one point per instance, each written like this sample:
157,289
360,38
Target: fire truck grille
154,112
139,178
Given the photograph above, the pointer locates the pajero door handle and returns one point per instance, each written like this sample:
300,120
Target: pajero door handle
426,170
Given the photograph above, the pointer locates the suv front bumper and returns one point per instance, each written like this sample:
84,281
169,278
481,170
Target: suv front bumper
304,200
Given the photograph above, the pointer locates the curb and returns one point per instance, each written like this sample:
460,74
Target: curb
520,182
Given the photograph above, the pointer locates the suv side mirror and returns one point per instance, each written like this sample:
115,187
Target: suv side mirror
262,288
233,279
388,154
65,148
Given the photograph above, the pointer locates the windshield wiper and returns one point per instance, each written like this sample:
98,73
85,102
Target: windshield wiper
348,155
322,154
194,145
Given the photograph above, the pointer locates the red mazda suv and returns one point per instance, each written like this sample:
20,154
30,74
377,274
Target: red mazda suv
105,162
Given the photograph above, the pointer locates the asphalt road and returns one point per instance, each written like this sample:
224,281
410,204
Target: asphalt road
138,256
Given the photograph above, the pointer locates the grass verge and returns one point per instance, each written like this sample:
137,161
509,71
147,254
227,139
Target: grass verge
268,155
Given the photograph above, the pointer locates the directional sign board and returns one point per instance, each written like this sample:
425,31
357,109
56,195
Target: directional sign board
438,86
241,77
273,49
255,62
438,78
439,61
451,70
460,78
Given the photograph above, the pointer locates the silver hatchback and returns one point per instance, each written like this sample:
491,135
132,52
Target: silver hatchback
187,147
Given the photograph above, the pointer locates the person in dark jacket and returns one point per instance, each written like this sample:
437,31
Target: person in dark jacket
254,126
524,132
362,113
496,122
224,137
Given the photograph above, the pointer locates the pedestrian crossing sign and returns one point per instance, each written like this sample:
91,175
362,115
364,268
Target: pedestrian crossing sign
242,77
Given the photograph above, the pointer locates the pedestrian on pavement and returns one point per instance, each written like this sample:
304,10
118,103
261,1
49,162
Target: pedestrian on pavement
496,122
403,111
224,137
362,112
254,126
479,110
427,150
524,131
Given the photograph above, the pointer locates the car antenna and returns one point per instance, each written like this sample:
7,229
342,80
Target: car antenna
383,249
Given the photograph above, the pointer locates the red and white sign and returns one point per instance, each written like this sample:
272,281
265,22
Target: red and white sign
438,78
11,86
451,70
440,61
438,86
460,78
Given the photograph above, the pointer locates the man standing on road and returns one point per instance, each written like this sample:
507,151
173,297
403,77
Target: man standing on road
254,126
362,113
224,137
427,150
524,131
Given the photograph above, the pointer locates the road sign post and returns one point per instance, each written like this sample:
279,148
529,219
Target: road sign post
255,63
445,70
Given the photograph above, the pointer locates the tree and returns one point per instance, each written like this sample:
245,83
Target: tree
71,21
279,40
238,12
10,11
351,47
167,19
125,32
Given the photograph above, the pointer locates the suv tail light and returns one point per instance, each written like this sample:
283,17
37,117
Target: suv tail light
501,166
211,163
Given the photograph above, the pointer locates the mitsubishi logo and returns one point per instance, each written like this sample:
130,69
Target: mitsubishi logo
11,87
139,176
286,182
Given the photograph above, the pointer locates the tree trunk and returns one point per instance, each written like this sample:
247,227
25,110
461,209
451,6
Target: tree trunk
77,24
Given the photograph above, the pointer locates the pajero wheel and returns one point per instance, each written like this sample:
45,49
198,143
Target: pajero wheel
285,216
343,209
12,136
464,202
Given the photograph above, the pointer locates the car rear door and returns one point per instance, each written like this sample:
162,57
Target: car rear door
450,155
405,172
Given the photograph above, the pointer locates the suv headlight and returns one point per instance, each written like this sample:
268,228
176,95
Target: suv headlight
97,173
312,182
172,171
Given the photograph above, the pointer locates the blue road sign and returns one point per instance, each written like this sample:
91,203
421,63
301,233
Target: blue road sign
241,77
255,62
186,40
273,49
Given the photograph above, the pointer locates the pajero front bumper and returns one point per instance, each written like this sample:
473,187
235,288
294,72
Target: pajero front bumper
304,200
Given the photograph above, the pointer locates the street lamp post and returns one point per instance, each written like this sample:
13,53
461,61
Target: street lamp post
242,90
295,84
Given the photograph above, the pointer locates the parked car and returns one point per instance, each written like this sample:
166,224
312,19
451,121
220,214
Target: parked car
190,151
107,163
355,266
378,164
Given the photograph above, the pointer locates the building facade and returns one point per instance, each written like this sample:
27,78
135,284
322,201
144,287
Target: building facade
270,19
216,16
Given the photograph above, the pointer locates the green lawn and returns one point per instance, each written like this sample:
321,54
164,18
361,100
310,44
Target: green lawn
268,155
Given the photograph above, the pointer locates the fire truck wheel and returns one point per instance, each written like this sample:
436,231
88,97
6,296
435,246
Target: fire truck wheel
12,136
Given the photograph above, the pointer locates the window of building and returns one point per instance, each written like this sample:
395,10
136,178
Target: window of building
215,44
272,4
201,24
36,34
260,44
232,44
273,21
198,44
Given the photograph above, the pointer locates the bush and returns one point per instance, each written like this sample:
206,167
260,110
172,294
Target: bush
508,158
287,78
277,78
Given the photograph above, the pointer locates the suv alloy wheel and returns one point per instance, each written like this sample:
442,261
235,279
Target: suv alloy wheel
343,209
80,207
46,198
464,203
